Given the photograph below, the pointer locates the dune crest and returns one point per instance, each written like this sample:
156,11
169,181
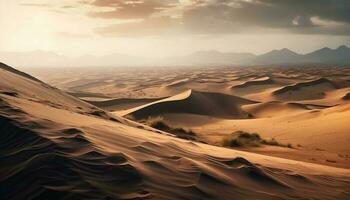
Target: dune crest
195,102
315,89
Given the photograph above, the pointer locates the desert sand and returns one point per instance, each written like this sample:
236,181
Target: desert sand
304,106
56,146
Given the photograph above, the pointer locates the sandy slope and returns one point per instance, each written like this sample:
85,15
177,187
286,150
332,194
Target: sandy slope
255,85
315,89
194,102
121,104
52,150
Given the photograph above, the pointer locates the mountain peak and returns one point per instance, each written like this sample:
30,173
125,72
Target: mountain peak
323,50
342,47
286,50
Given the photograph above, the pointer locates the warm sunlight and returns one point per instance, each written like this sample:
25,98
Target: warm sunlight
175,99
159,29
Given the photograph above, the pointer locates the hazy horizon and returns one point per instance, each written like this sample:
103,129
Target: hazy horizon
175,99
156,28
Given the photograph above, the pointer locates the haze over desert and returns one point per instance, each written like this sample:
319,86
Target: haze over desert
176,99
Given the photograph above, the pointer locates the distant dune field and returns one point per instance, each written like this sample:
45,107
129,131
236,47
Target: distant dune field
56,146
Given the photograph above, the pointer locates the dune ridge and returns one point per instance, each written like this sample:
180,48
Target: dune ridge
195,102
256,82
315,89
122,103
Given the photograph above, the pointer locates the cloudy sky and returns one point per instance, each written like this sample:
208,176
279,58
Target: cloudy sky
155,28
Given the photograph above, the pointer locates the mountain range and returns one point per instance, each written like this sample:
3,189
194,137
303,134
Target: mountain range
340,55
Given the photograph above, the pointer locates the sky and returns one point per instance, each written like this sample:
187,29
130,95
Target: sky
160,28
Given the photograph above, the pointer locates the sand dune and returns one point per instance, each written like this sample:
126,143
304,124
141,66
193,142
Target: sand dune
274,108
55,151
315,89
195,102
256,82
255,86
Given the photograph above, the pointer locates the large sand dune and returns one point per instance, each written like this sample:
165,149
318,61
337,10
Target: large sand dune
122,103
315,89
195,102
274,108
255,86
51,149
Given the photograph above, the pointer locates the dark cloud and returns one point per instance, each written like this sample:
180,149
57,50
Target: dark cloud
230,16
236,15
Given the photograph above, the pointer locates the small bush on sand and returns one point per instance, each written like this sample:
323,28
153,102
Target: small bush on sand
245,139
241,139
159,123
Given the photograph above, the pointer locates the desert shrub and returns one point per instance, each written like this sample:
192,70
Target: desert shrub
159,123
244,139
241,138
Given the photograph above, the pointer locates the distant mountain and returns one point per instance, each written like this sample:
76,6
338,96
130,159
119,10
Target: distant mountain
341,55
327,55
277,56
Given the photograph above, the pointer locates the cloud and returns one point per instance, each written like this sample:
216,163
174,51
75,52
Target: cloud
41,5
128,9
67,7
49,7
214,17
227,16
146,27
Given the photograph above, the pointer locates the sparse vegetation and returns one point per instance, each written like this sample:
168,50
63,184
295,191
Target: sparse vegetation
244,139
159,123
241,138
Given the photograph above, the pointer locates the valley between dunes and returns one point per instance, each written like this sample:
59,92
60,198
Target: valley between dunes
56,146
